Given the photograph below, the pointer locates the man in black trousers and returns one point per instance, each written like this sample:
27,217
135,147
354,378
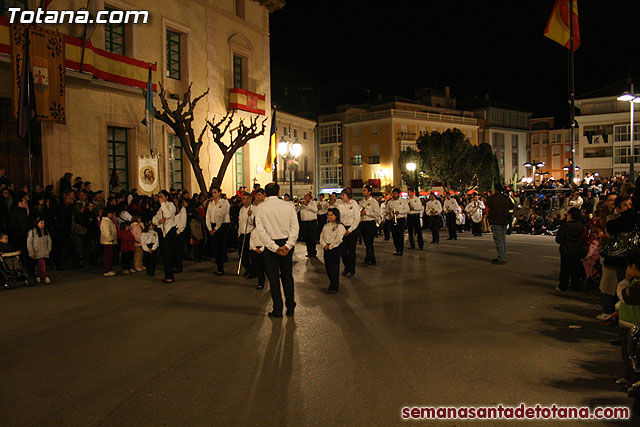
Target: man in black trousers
309,224
413,220
369,213
277,227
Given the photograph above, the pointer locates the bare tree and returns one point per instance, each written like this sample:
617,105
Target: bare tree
238,138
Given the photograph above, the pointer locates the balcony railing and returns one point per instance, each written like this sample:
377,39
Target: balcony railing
373,160
407,136
387,114
356,161
325,161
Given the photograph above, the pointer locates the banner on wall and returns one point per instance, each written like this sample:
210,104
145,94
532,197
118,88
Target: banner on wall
148,177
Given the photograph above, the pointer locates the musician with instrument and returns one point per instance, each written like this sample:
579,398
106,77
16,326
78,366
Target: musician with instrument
246,224
369,214
474,211
451,209
434,209
308,210
350,218
322,213
397,210
413,220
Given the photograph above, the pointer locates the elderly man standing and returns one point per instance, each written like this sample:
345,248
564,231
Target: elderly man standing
277,227
499,206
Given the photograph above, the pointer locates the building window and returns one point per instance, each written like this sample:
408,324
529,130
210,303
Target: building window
623,155
514,153
375,131
114,37
6,4
295,133
176,178
331,176
240,9
237,71
239,159
621,133
356,131
330,156
118,156
330,133
173,55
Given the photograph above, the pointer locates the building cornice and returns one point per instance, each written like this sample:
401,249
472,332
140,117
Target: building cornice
272,5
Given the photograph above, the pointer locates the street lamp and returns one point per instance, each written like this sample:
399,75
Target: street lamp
290,151
411,167
534,165
631,99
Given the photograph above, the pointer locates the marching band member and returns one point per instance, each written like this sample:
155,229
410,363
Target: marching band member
277,227
397,210
413,220
350,217
331,240
165,220
369,214
322,213
218,222
434,209
255,244
474,210
451,210
309,224
386,218
246,224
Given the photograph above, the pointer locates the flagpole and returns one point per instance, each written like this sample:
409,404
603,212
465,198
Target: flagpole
572,98
30,109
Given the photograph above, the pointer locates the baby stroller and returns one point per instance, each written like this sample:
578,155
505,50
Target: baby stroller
12,273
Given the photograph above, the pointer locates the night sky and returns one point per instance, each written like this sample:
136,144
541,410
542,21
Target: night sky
346,52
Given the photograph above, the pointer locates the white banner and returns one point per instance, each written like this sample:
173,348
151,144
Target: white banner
148,178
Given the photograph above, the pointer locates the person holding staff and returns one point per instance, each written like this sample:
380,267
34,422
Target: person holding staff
277,227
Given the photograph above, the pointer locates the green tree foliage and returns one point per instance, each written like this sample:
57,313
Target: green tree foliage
450,158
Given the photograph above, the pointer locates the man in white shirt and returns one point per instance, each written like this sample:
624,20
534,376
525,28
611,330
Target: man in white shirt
322,213
397,210
246,224
369,213
350,218
165,219
256,246
413,219
277,227
309,224
217,221
451,209
434,209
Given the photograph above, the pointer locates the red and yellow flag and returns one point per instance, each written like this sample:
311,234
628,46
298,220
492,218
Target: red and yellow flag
558,27
273,145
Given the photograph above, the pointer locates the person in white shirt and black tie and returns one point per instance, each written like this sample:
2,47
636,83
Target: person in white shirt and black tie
397,210
331,240
277,227
369,213
451,210
245,228
255,245
322,213
474,211
350,218
165,219
218,222
413,219
434,209
309,224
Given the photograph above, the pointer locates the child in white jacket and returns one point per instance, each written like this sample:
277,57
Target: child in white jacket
39,247
150,244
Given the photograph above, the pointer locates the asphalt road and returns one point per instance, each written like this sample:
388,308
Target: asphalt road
436,327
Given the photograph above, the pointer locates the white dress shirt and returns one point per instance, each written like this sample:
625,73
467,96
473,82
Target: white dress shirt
246,222
415,205
332,235
371,209
322,207
434,207
254,241
181,220
400,205
309,212
217,213
349,214
451,205
474,210
277,219
149,238
167,212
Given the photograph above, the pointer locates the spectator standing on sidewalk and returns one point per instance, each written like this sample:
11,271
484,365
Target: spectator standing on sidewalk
39,247
499,206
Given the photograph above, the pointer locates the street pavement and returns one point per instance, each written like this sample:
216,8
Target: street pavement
437,327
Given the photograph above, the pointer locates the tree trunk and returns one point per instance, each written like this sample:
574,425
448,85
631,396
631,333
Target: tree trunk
217,181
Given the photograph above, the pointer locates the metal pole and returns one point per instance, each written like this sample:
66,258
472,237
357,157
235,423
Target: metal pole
631,169
572,97
30,130
290,182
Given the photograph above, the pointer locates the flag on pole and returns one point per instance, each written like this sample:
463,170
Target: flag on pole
558,26
273,145
27,100
150,111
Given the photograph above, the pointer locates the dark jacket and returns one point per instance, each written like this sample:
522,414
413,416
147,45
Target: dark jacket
499,206
624,223
570,238
19,226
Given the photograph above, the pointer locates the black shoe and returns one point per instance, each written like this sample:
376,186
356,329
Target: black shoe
455,238
332,291
344,273
177,271
372,263
411,247
450,238
260,286
219,273
273,314
291,310
349,275
498,262
251,276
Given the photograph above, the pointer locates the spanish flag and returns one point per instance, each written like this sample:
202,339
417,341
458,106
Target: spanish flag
558,27
273,145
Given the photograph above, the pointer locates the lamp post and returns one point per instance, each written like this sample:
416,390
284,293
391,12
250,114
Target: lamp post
290,151
411,167
632,99
576,168
534,165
